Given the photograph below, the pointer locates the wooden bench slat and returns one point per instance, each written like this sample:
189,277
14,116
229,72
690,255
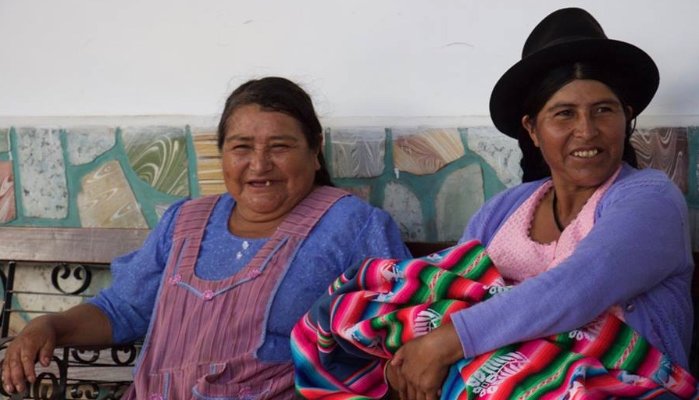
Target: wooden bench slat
72,245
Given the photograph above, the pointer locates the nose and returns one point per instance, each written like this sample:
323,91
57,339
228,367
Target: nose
260,160
585,126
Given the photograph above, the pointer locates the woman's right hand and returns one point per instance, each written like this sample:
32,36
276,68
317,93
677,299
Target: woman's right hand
36,342
394,381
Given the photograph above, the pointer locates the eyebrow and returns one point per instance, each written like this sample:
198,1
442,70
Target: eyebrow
597,103
251,138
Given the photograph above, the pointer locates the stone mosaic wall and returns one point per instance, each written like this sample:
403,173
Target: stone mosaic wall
430,179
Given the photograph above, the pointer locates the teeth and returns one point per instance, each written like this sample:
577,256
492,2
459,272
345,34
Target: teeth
585,153
267,183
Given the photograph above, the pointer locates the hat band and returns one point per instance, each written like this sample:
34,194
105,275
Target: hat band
562,41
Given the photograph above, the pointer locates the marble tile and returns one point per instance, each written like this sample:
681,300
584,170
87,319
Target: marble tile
160,209
106,200
38,278
425,151
158,155
501,152
7,192
460,196
85,143
357,153
404,207
42,175
361,191
4,140
666,149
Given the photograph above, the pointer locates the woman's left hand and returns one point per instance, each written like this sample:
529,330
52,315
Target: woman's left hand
422,364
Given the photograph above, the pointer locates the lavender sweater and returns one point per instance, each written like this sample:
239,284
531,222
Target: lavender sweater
349,232
638,255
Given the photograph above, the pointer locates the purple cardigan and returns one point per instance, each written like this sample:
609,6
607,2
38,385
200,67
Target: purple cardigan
638,255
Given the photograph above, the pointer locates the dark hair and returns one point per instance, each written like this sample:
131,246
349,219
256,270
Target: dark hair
284,96
533,165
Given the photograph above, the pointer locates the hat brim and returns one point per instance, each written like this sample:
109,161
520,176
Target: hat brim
638,77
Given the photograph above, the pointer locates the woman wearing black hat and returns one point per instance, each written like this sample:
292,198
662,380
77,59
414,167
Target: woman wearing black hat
587,232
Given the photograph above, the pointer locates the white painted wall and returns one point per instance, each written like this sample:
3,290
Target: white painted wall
386,58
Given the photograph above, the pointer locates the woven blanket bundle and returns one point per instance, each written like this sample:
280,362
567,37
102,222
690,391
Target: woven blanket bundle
341,346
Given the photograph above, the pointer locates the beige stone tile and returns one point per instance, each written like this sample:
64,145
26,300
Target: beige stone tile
106,200
424,152
7,192
363,192
404,207
459,197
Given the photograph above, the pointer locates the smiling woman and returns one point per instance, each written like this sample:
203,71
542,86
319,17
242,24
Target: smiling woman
587,235
268,167
220,282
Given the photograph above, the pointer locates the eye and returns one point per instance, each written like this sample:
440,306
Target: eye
279,147
564,113
604,109
239,147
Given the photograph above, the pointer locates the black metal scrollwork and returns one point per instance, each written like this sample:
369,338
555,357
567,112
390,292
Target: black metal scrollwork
3,277
64,271
47,387
131,353
93,356
117,391
84,390
3,281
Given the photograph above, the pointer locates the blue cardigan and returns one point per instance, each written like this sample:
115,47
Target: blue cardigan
349,232
638,255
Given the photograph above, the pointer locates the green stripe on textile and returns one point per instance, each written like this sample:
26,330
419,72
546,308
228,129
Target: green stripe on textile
394,331
548,379
442,285
638,355
622,340
476,260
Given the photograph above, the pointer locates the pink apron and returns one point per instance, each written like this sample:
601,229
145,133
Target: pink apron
204,336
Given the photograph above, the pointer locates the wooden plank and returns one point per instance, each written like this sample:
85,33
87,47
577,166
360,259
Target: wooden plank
209,169
72,245
212,187
206,148
205,135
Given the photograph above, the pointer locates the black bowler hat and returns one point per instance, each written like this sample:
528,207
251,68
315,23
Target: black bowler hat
567,36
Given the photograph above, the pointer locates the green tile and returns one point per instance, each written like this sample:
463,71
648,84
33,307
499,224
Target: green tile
158,155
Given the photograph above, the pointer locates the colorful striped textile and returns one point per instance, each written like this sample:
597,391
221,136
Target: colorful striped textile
341,346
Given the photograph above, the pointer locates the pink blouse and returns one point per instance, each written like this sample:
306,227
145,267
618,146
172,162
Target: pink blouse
519,257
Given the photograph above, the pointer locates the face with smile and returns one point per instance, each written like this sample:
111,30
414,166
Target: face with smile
268,166
580,132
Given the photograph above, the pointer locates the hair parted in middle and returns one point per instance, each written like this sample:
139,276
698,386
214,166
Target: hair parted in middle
284,96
